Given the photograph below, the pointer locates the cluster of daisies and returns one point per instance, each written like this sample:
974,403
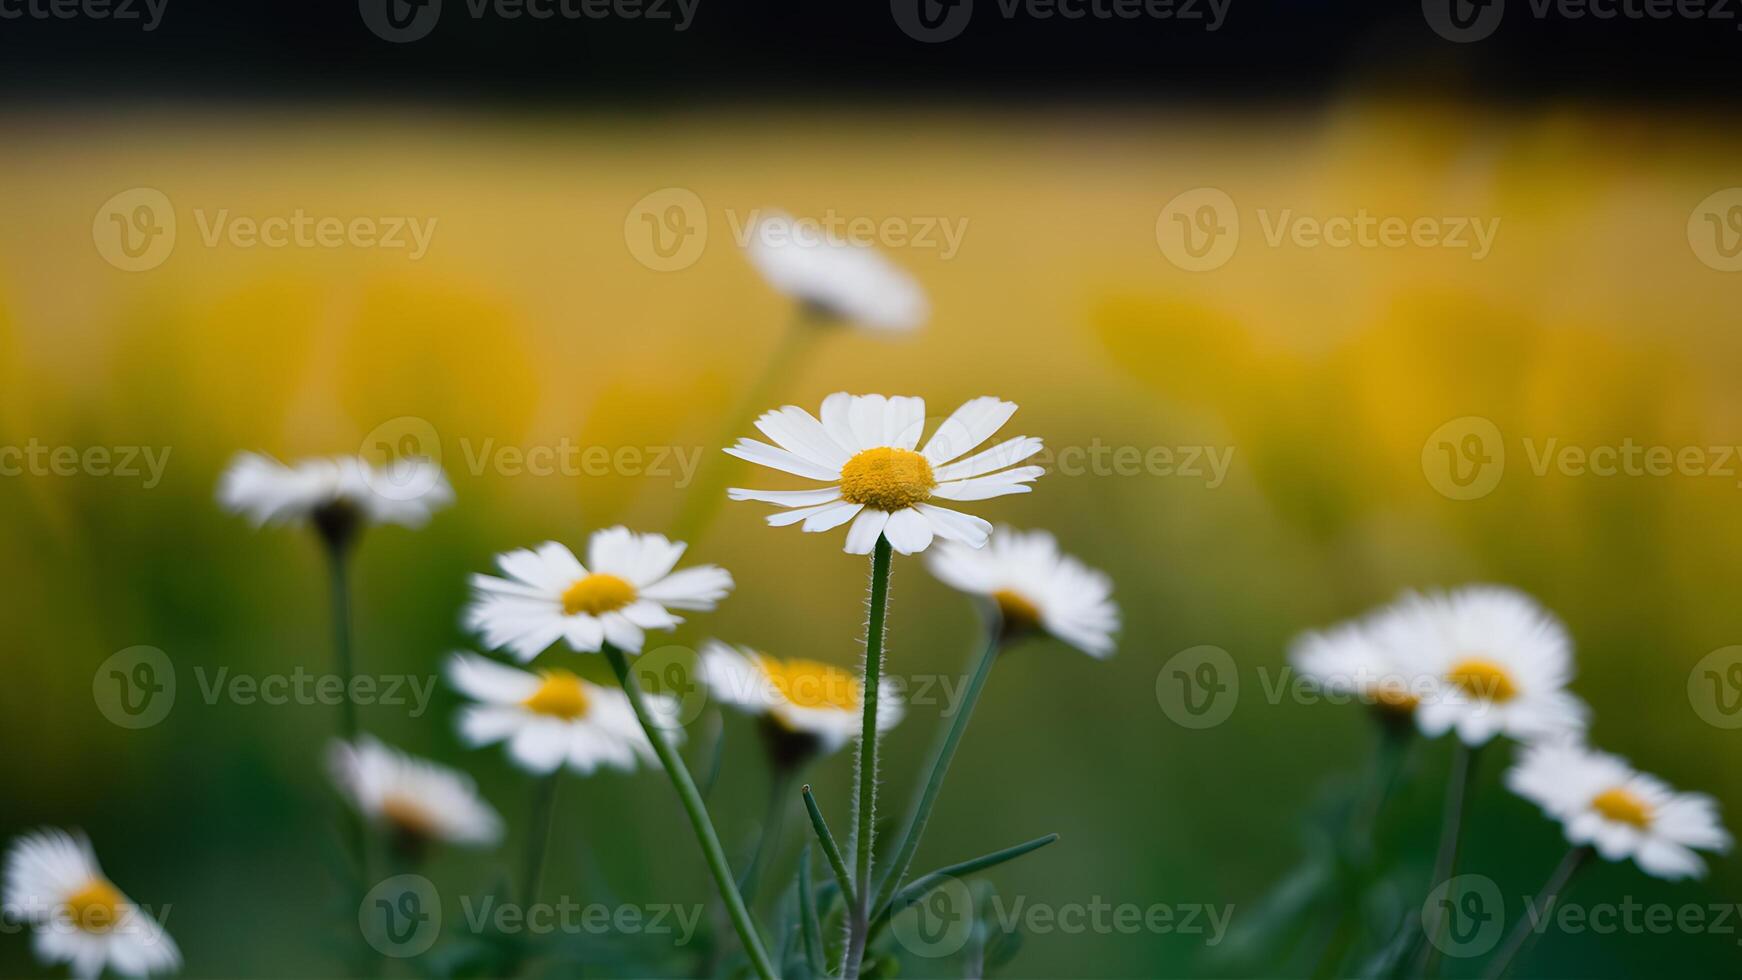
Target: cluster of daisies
890,489
1485,661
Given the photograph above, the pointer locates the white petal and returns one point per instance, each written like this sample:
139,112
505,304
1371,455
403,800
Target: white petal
987,487
953,525
785,517
832,516
863,535
866,413
762,454
539,747
1007,453
908,531
837,421
787,498
623,634
903,421
483,679
697,588
613,551
796,431
483,724
967,427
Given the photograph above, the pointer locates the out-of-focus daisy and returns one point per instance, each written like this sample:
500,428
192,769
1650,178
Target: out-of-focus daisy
1602,801
1035,587
338,495
864,447
626,587
552,717
833,277
419,801
1498,662
806,707
78,916
1353,658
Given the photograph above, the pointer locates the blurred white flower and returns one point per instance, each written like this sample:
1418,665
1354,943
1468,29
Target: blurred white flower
1602,801
1353,658
836,278
1035,586
864,446
342,489
77,915
553,717
626,587
1498,663
416,799
801,697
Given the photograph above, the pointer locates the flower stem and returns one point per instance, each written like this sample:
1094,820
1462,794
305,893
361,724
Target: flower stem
702,503
860,920
698,814
843,879
1522,933
769,838
1446,863
339,561
946,751
538,842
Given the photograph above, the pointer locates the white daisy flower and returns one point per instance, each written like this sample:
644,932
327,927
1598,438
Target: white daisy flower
1359,658
836,278
418,800
1602,801
78,916
864,447
820,704
1035,586
627,586
1498,663
553,717
342,492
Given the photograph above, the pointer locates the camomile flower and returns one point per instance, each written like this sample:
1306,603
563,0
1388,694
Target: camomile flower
553,717
338,495
807,708
419,801
1603,802
78,916
837,279
626,587
1354,658
863,446
1035,586
1496,662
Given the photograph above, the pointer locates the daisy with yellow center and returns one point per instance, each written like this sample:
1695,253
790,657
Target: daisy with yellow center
867,447
1359,658
836,279
79,917
340,488
1606,804
802,697
416,800
1035,587
552,718
626,587
1498,663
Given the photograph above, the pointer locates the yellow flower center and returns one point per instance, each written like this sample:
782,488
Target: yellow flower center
1017,610
887,478
597,594
809,684
1622,806
1484,679
560,696
96,907
408,816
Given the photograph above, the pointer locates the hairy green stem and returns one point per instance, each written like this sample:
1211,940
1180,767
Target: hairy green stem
832,851
925,883
698,814
1522,933
866,811
945,752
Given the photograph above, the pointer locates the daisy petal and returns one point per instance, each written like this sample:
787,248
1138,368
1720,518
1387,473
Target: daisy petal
967,427
1007,453
697,588
787,498
908,531
903,422
796,431
953,525
832,516
762,454
863,535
